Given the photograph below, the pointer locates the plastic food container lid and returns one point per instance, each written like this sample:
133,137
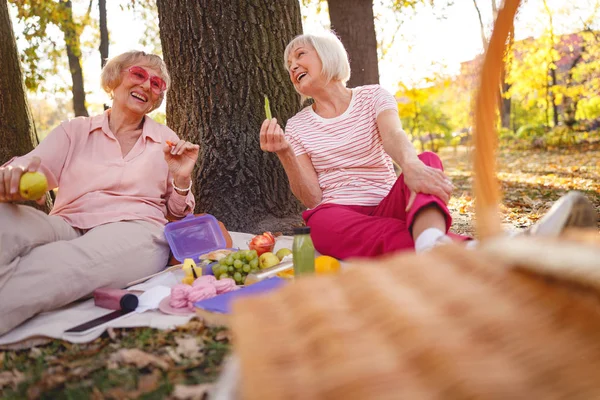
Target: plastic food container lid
193,236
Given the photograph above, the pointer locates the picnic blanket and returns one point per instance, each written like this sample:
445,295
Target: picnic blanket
52,325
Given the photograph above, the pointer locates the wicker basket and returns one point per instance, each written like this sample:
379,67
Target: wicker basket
448,324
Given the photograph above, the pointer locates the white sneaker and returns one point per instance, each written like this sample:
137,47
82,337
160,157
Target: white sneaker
571,210
440,241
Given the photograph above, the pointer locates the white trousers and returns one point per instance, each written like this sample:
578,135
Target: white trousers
45,263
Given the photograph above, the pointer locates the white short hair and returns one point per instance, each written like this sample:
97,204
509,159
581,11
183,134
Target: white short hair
330,50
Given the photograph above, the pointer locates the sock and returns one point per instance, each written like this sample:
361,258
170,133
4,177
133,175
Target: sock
427,239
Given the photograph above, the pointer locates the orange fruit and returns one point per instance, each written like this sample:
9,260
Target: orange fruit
323,265
327,265
287,274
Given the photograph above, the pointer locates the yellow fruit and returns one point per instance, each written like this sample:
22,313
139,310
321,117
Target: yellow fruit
327,265
267,260
287,274
189,267
282,253
33,185
188,280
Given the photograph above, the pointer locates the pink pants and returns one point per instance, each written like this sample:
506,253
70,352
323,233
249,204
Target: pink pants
344,231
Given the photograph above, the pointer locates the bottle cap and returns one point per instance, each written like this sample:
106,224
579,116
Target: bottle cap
129,301
302,230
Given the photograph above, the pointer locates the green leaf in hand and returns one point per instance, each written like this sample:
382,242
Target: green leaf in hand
268,108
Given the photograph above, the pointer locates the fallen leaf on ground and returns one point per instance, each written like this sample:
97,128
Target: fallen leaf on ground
138,358
11,378
35,353
223,335
149,382
189,347
111,333
192,392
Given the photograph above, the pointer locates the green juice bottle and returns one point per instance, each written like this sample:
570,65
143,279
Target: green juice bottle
303,252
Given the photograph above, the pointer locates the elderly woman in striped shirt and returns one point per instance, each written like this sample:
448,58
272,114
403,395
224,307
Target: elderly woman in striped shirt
338,154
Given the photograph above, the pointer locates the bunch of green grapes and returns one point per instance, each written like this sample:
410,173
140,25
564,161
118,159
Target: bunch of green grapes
237,265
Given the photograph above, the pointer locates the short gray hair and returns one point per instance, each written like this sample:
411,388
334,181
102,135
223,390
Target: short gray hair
111,76
330,50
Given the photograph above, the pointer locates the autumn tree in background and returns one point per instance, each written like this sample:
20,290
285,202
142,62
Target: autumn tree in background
353,22
504,103
422,111
17,131
554,77
37,15
104,42
224,57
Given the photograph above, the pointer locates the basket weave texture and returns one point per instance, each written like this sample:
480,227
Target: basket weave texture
448,325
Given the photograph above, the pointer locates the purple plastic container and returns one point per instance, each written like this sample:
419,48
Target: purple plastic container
193,236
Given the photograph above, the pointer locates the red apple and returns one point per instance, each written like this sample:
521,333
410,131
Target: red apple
262,243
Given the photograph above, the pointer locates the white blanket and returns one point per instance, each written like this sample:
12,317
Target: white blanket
54,323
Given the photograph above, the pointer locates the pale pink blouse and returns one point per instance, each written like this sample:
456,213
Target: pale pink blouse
97,185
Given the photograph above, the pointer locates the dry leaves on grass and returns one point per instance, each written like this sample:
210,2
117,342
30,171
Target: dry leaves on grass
11,378
224,335
530,182
187,347
138,358
192,392
147,383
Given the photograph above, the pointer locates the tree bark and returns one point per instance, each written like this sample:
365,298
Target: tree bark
570,103
103,33
505,102
74,55
553,96
104,41
353,22
17,131
223,58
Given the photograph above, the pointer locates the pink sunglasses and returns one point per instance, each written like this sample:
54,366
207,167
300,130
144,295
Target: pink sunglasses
139,75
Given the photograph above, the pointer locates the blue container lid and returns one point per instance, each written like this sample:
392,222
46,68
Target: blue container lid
193,236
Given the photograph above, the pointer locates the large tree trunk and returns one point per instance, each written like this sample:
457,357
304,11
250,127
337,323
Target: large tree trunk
103,33
553,97
17,131
223,58
103,37
505,105
505,102
74,55
353,22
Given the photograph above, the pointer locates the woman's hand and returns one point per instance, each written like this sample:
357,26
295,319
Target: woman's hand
10,177
272,138
421,178
181,159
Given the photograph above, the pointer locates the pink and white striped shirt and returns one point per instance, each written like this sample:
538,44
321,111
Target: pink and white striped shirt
347,151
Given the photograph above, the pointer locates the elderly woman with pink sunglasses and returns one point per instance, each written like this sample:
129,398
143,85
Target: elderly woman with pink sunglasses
119,175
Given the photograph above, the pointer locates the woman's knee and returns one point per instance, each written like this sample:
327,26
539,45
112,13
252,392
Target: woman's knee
8,214
431,159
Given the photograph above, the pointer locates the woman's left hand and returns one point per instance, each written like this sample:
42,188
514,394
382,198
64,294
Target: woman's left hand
181,159
421,178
